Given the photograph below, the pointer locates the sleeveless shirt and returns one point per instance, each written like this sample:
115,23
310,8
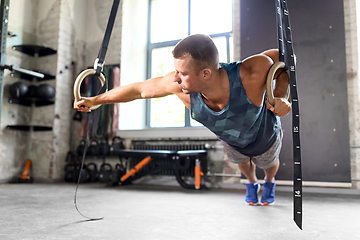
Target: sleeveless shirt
249,129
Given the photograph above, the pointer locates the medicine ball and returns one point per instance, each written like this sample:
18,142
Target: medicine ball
18,90
32,91
45,91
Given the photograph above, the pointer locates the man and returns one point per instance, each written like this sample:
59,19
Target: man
229,99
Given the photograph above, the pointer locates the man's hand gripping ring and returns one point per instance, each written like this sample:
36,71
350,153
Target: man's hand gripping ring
269,82
79,80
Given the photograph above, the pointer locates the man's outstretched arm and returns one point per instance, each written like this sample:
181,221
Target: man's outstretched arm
152,88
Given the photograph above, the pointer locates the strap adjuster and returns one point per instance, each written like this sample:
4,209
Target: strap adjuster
98,66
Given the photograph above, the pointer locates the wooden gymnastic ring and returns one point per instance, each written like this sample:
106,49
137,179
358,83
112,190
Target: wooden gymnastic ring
269,85
79,80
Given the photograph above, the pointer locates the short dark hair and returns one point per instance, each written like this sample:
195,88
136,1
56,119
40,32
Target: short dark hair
201,48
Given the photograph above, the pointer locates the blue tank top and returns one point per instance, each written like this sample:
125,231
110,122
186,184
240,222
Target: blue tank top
249,129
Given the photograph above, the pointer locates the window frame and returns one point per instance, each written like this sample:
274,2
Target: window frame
151,46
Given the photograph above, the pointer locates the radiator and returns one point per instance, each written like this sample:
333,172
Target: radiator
187,164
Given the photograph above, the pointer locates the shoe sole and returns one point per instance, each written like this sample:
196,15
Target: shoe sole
268,204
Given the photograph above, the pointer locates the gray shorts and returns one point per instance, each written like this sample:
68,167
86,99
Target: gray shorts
264,161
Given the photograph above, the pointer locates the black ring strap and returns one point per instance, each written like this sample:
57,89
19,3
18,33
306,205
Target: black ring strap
104,45
286,55
98,66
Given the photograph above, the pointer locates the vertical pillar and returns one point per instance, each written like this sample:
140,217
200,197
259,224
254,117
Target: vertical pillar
352,24
4,16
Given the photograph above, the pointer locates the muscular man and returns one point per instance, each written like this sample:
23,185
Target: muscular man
228,99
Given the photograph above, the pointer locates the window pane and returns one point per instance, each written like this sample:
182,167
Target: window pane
211,16
220,43
167,111
169,20
162,61
208,17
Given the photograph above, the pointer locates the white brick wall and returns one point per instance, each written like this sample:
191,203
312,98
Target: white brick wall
14,144
59,30
64,85
98,15
41,149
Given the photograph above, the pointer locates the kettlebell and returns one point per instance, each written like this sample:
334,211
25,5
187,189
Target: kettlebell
84,177
104,147
81,147
94,147
70,172
93,172
117,144
116,174
104,173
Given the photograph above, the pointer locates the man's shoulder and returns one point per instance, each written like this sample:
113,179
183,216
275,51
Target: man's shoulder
257,62
256,66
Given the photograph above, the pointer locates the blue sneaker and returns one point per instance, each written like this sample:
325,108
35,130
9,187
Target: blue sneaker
268,197
252,190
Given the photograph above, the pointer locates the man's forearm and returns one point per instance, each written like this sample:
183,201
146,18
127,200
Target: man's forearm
121,94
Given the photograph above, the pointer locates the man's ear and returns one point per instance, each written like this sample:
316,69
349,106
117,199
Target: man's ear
206,73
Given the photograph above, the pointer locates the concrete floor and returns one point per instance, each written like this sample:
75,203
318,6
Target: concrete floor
138,211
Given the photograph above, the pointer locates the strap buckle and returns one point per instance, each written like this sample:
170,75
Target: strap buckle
98,66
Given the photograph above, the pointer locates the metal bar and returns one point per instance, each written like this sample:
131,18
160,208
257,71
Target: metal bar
4,16
228,48
29,72
148,67
174,42
223,175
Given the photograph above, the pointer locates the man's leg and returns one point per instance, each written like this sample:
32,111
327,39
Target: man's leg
248,170
271,172
268,196
252,187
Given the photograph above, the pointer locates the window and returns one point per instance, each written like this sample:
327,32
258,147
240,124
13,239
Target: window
170,21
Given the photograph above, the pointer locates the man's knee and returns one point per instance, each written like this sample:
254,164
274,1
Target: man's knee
271,164
245,163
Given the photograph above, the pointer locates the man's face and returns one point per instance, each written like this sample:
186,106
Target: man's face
185,75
